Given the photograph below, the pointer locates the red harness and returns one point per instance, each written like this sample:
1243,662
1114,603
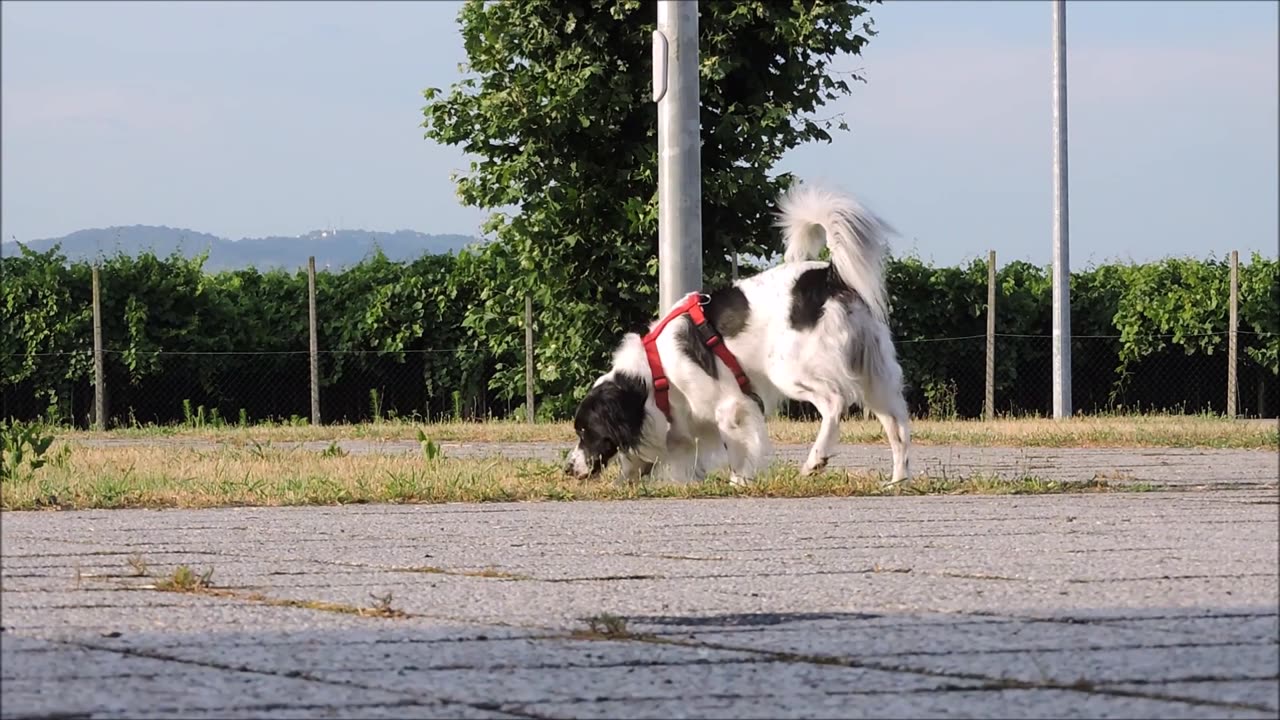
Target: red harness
692,306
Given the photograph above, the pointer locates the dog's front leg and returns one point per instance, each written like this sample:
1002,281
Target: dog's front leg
745,438
682,458
632,468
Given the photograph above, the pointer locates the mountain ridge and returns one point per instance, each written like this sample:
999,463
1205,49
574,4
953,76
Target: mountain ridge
331,248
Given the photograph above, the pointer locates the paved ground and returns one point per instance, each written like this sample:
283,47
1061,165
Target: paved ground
1111,605
1164,466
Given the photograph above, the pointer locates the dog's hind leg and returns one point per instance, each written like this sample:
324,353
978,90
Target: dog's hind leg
891,410
830,405
880,376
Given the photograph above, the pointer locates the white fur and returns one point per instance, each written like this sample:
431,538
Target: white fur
847,358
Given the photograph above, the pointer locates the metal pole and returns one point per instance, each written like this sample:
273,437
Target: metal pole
989,401
315,340
99,366
1232,325
1061,246
528,359
675,89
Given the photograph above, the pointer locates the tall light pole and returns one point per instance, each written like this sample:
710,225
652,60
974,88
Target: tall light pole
1061,246
675,89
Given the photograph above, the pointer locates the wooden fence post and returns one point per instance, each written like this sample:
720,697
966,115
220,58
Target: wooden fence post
1232,324
315,341
989,400
528,359
99,364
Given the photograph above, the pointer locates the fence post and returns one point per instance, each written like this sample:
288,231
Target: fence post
1232,323
528,359
989,401
315,341
99,366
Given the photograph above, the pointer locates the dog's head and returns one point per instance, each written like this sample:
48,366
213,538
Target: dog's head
609,420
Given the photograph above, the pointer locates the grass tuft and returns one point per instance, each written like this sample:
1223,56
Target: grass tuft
607,625
186,580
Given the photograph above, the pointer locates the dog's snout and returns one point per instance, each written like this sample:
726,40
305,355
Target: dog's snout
576,464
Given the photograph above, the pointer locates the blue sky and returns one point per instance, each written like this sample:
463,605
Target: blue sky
254,119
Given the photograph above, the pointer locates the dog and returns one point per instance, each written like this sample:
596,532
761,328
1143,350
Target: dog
805,329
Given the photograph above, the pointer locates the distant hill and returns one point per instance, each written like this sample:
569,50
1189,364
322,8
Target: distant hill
331,248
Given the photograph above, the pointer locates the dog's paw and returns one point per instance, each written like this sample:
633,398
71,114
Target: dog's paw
813,467
737,480
892,484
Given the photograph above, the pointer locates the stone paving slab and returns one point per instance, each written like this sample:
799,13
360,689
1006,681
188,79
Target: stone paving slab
1103,605
1144,664
200,688
1261,693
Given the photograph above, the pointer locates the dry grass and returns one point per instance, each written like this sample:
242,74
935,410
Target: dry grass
1096,431
488,572
185,580
175,476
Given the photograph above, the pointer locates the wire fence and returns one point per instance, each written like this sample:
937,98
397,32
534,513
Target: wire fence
958,376
944,377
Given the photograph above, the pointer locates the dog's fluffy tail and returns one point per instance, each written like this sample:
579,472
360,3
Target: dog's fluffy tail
811,218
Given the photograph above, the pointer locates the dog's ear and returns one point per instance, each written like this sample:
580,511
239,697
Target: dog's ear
636,328
622,409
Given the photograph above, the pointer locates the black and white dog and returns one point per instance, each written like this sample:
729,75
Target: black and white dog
806,330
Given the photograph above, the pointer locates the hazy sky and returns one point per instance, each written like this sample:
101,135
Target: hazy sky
253,119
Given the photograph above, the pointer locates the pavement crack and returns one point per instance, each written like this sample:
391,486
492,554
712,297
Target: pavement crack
1201,678
1213,576
605,578
1088,648
977,576
1104,621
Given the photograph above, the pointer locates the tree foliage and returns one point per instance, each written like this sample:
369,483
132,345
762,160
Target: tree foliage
555,108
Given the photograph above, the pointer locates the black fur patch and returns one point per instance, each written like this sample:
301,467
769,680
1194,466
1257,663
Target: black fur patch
812,290
611,418
728,311
693,348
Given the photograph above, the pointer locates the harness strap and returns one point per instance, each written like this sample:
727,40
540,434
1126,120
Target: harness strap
691,306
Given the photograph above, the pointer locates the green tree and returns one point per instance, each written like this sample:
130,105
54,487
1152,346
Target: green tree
555,107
